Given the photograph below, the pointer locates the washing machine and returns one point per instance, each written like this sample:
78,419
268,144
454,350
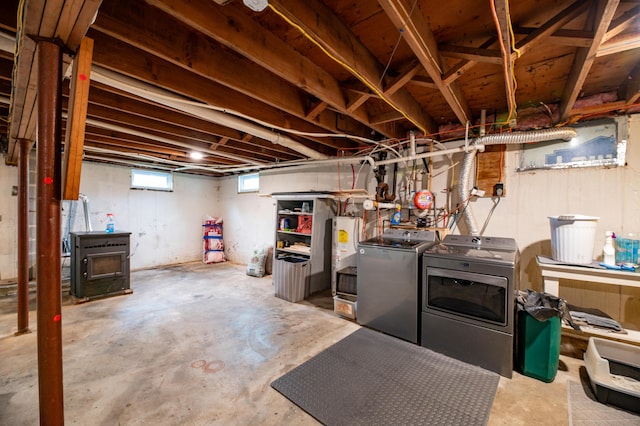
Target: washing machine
389,282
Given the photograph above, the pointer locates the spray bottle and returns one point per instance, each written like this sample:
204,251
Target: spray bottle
111,224
609,251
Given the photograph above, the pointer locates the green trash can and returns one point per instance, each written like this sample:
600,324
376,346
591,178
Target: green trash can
538,346
538,333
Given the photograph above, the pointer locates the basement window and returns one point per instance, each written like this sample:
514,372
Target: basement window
151,179
249,183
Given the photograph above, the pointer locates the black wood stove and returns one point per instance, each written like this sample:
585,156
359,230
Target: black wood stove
99,264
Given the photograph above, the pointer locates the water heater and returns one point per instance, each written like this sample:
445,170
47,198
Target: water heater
346,235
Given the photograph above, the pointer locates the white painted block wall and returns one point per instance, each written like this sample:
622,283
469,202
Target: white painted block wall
166,227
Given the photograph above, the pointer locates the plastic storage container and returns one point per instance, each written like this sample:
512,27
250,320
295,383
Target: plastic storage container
614,372
628,248
573,238
290,277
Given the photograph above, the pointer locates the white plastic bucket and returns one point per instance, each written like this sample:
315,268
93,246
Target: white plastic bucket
572,238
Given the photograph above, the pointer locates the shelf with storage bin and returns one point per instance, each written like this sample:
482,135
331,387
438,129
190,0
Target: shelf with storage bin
212,242
303,230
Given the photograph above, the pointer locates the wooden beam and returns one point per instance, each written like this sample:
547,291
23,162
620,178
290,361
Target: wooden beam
325,29
475,54
265,49
630,89
605,9
504,25
418,35
66,21
618,44
465,65
386,117
622,23
357,101
133,108
552,25
158,34
405,75
151,70
76,121
315,109
565,37
424,81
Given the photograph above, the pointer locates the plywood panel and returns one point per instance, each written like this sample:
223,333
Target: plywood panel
490,169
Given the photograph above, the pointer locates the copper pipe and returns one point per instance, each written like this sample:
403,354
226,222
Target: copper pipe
23,237
48,187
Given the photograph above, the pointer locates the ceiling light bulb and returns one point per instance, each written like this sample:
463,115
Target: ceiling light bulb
256,5
196,155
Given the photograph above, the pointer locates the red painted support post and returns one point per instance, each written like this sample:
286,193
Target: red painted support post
23,237
48,187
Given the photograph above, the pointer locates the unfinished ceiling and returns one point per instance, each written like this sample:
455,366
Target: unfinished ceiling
316,79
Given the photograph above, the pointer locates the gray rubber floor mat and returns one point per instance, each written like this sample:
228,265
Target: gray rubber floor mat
370,378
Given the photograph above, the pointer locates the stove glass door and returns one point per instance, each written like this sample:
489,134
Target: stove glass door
105,265
474,296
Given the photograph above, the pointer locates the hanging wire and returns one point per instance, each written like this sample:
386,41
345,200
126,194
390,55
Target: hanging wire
349,68
496,201
506,57
393,52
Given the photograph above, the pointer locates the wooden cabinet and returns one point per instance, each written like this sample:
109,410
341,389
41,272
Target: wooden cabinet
303,230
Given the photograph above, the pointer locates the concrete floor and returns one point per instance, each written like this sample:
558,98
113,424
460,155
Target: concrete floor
200,344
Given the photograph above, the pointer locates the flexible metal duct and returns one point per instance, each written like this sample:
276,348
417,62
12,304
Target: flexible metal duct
464,187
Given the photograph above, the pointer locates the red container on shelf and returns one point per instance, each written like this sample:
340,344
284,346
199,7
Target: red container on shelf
304,224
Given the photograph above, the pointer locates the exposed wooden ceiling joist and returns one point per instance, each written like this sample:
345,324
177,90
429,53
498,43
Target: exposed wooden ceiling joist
603,14
154,32
265,49
326,30
434,65
416,32
65,21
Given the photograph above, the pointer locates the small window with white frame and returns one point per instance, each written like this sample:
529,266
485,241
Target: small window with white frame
151,179
249,183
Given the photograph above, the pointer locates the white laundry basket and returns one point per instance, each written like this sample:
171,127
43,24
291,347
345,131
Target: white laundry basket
572,238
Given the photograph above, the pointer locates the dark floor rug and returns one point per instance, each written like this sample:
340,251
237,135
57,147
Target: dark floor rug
369,378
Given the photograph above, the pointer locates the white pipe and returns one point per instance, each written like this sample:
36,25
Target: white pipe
412,144
130,131
431,154
215,115
85,205
372,205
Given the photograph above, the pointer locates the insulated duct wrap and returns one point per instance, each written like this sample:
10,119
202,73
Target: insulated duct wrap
464,188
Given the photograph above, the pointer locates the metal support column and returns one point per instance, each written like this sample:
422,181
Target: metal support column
23,237
48,187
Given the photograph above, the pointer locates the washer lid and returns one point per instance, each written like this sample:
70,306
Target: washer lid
489,249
